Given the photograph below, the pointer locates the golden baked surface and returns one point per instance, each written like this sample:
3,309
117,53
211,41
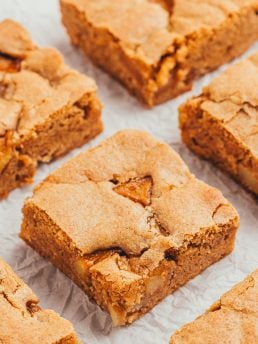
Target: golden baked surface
83,200
234,318
155,49
221,124
22,320
37,83
150,35
232,98
128,223
46,108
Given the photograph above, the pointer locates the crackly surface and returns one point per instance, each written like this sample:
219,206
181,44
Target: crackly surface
122,112
234,317
228,106
157,55
41,101
132,227
22,320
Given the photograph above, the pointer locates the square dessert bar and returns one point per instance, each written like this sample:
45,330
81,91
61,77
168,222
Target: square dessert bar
233,319
156,49
46,108
22,320
128,223
222,123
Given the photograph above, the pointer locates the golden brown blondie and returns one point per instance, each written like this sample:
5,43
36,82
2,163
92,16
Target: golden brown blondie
222,123
157,54
46,108
129,223
22,320
233,319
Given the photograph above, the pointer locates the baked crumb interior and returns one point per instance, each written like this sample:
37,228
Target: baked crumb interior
155,52
132,231
46,108
22,320
234,316
222,123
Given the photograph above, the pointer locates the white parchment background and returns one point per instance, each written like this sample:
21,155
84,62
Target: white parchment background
121,111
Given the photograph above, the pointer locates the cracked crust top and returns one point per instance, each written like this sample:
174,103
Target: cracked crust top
130,192
24,321
150,36
34,82
232,98
234,317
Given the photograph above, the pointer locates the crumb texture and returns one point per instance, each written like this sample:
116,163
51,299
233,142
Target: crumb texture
46,108
159,54
22,320
41,84
121,218
228,106
134,229
234,317
232,98
151,35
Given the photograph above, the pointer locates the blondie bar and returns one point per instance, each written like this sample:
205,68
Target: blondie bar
222,123
128,223
46,108
157,54
233,319
22,320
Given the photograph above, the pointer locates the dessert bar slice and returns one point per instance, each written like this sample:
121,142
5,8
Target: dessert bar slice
233,319
222,123
157,52
22,320
46,108
128,223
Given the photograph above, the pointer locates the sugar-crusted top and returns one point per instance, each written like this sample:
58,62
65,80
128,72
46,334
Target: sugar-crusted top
233,99
130,192
146,30
34,82
22,321
234,316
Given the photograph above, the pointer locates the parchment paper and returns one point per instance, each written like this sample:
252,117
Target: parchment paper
56,291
